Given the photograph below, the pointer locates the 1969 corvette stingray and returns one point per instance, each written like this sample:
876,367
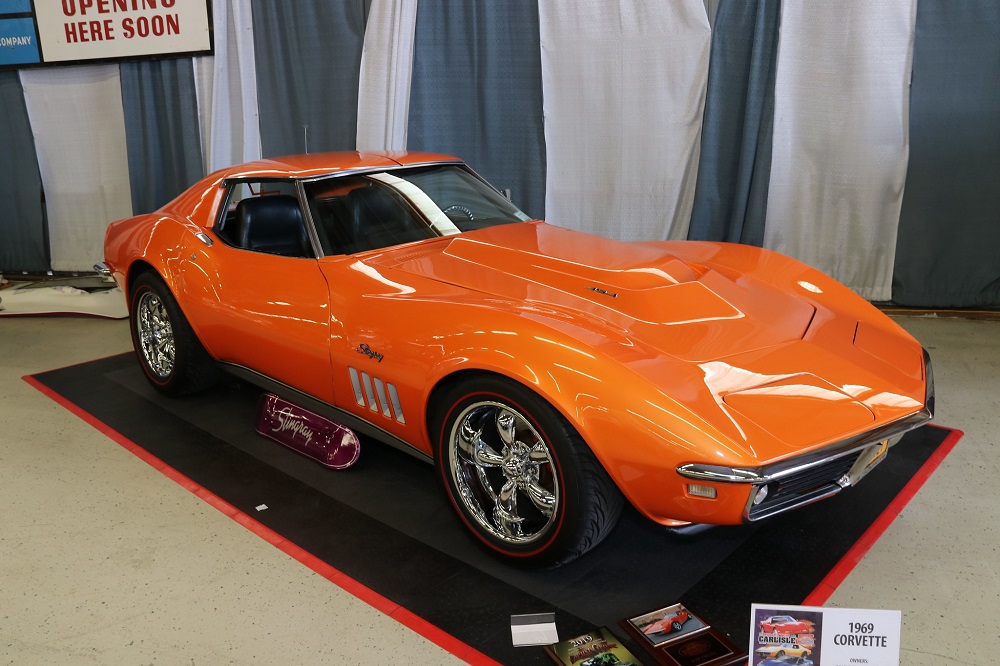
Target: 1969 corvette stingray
550,375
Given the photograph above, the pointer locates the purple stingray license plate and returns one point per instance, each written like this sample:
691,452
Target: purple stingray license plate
328,443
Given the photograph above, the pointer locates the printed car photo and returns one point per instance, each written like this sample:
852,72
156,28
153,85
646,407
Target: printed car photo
779,652
549,375
787,660
785,624
666,625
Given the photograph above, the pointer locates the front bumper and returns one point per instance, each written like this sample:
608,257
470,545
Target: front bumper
814,476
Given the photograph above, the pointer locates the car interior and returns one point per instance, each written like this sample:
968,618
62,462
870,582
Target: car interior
271,224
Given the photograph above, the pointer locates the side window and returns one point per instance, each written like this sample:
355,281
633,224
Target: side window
356,213
265,217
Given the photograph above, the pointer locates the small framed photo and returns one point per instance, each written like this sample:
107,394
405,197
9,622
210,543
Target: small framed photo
667,624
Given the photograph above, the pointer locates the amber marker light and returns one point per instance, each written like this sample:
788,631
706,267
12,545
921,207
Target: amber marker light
698,490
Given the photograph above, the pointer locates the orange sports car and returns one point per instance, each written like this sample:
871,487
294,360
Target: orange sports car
668,624
550,375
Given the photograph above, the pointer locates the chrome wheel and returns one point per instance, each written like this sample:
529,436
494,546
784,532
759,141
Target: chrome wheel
170,354
155,335
504,472
520,477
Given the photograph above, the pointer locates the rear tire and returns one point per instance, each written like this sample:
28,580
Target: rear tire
172,358
519,475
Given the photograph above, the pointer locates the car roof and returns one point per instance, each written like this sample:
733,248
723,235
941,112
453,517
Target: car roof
317,164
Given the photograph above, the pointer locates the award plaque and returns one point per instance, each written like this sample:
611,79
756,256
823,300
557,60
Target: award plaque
675,636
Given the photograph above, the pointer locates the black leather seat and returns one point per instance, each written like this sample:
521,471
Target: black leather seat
272,224
380,220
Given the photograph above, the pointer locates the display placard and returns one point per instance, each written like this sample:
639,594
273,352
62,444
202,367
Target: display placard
599,647
77,31
831,636
675,636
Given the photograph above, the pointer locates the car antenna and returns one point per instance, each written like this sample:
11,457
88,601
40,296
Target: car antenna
305,137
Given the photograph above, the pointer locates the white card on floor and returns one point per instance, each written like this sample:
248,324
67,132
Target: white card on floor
533,629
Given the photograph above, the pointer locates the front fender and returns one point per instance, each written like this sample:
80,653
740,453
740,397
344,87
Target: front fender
640,433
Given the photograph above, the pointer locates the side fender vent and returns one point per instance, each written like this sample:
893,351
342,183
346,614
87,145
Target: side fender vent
376,395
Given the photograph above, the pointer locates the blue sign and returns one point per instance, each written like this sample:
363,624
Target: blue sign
15,7
18,42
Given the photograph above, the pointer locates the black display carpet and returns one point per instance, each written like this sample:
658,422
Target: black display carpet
386,524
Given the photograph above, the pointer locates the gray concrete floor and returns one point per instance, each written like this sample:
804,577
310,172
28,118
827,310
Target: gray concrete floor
105,561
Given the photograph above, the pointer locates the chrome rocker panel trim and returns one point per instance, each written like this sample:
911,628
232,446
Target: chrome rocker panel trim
322,408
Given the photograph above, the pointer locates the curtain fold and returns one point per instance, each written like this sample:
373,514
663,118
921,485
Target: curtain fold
477,92
624,88
82,157
161,126
23,240
226,89
308,60
840,138
949,226
386,68
600,116
730,202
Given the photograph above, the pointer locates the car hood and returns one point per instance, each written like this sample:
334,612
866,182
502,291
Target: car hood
745,362
683,309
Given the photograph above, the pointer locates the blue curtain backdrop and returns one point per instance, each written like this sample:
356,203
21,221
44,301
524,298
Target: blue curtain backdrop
949,226
730,202
23,242
161,129
476,92
308,55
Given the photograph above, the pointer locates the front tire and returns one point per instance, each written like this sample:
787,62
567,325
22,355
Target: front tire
171,356
519,475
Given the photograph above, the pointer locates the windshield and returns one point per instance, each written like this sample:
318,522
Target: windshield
354,213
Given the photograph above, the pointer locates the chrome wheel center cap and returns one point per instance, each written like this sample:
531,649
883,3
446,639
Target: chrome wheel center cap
516,465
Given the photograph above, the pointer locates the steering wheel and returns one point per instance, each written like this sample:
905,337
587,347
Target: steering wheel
461,209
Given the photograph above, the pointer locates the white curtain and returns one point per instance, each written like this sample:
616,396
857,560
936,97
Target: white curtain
624,90
226,84
78,126
386,67
840,144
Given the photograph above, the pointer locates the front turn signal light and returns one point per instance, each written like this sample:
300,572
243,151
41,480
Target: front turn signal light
698,490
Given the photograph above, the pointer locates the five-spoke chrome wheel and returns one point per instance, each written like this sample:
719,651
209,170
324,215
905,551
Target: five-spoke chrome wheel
518,473
155,335
503,471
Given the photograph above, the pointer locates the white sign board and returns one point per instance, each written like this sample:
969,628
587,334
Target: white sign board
81,30
824,636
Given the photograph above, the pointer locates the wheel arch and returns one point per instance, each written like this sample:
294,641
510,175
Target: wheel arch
546,390
135,269
455,376
140,267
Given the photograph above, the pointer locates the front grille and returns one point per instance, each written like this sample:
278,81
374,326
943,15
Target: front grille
804,487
